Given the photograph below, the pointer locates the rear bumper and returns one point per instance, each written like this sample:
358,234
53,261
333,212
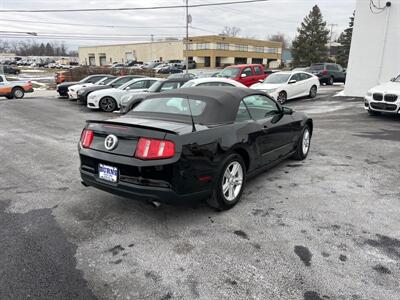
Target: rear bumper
141,192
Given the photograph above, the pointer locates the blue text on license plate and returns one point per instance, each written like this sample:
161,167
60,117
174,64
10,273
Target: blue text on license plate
108,173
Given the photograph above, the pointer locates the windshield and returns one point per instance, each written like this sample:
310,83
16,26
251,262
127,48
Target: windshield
120,81
229,73
188,84
317,67
155,87
175,106
122,87
277,78
108,80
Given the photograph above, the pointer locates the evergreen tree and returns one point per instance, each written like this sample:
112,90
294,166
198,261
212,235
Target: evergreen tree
49,49
309,46
345,40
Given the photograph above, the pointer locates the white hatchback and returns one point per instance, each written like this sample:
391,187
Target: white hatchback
110,99
289,85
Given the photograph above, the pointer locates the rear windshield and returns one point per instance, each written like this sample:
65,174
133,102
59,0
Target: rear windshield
317,67
173,106
229,73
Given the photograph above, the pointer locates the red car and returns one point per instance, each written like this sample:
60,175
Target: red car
245,74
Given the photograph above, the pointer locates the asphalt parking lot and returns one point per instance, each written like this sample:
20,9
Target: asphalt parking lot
324,228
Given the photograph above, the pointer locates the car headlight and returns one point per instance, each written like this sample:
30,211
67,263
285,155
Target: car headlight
270,91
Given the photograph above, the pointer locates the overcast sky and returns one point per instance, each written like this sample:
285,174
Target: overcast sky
256,20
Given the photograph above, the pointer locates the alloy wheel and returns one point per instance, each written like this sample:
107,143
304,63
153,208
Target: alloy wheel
313,92
107,104
232,181
282,97
306,141
18,93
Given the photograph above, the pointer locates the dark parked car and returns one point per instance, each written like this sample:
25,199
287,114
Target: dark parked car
10,70
169,70
114,83
191,144
130,101
328,73
62,88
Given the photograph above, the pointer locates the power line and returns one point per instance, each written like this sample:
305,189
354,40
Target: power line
89,25
128,8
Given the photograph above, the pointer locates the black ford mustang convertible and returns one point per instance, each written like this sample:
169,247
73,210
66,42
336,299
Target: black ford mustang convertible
190,144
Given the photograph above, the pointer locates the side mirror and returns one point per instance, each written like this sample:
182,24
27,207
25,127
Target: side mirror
287,110
260,81
243,75
393,79
127,88
292,81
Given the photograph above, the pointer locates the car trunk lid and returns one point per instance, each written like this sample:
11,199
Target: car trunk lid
128,131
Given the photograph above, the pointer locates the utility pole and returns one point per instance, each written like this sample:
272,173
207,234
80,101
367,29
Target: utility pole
151,46
187,36
330,38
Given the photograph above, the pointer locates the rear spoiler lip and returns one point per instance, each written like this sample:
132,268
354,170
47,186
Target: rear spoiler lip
130,125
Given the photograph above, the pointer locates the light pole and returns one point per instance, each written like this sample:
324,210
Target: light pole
187,36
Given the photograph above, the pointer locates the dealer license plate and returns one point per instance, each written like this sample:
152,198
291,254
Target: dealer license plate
108,173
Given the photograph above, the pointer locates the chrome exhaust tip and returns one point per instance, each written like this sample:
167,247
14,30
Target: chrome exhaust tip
155,204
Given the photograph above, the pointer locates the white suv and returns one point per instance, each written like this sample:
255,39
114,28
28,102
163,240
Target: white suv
384,98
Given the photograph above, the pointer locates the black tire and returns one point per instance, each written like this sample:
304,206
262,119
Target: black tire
107,104
300,153
313,91
330,81
18,93
282,97
218,199
374,113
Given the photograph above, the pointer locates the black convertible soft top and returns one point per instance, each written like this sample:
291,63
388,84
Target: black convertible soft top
222,102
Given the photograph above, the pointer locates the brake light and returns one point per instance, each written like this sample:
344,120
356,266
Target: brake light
154,149
87,138
325,72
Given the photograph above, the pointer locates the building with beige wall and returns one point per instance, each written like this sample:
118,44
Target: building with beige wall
107,54
207,51
218,51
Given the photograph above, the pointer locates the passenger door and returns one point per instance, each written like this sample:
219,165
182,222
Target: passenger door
258,74
248,79
275,136
294,89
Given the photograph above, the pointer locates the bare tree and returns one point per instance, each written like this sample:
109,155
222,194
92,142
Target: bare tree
280,37
230,31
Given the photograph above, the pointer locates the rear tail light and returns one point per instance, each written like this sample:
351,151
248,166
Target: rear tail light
87,138
154,149
325,72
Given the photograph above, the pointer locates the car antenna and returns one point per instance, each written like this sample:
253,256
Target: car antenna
191,115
